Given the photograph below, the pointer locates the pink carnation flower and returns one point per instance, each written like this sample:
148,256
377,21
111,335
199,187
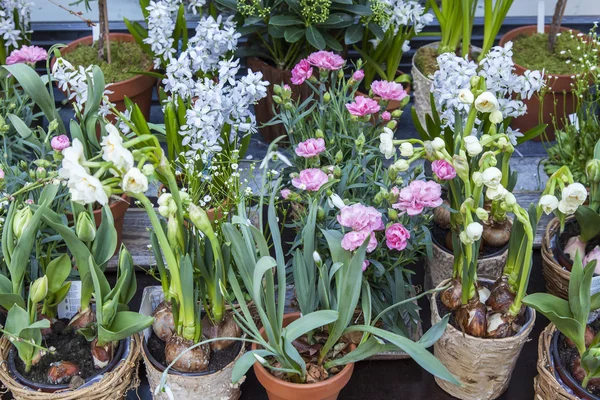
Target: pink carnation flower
310,148
396,236
418,195
285,193
363,106
310,179
1,173
359,217
26,54
326,60
358,75
60,142
443,169
386,116
353,240
301,72
388,90
365,265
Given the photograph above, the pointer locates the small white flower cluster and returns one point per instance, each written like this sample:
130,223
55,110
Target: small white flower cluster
73,81
220,105
161,24
496,68
214,40
13,31
398,14
86,188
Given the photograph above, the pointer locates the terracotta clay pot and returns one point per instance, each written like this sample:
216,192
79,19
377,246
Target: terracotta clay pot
560,92
138,88
281,390
264,109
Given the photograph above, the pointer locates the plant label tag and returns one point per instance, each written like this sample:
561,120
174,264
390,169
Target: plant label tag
95,33
574,120
70,305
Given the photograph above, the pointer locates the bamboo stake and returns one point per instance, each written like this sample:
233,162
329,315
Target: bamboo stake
559,12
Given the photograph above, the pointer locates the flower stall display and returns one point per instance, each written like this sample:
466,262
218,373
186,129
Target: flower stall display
570,342
384,36
564,239
15,28
565,55
282,351
335,152
479,101
456,25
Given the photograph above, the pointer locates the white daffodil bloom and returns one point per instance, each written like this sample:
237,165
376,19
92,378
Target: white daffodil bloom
486,102
549,203
134,181
386,145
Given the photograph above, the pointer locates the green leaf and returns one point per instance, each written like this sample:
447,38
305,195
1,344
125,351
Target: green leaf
434,333
532,133
285,20
20,126
332,42
263,265
293,34
105,242
589,221
315,38
364,350
308,323
7,300
354,34
124,325
58,271
245,362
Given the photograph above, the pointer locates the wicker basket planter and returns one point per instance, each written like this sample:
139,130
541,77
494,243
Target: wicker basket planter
556,276
483,366
108,386
547,385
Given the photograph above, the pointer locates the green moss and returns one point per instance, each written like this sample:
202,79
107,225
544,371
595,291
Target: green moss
426,60
127,59
531,52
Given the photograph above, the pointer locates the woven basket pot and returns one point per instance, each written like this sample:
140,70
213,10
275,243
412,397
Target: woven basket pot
556,276
483,366
439,268
546,386
108,386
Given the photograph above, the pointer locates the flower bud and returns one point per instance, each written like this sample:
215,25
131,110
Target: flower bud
39,289
461,166
438,144
320,214
474,81
85,227
200,219
482,214
337,172
277,89
52,126
397,113
339,157
472,146
317,258
288,106
496,117
393,214
392,124
40,173
360,141
510,199
277,99
327,97
148,170
21,221
407,150
592,170
336,201
319,134
340,74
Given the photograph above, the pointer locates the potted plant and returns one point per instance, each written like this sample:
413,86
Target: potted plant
15,31
568,348
559,52
456,25
565,237
120,58
280,35
386,35
471,106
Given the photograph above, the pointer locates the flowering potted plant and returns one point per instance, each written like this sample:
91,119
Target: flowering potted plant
565,55
475,100
14,33
456,25
569,345
120,58
386,36
565,238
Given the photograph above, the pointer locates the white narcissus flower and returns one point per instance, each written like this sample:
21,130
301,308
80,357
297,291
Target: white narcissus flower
134,181
465,96
406,149
486,102
87,189
166,205
438,144
477,178
572,197
496,193
510,199
474,231
472,146
113,150
549,203
73,156
491,177
496,117
387,143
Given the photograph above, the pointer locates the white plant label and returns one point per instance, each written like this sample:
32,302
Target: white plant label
70,305
95,33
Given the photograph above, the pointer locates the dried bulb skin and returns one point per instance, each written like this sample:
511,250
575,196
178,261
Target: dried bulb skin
102,355
62,371
448,242
579,374
195,360
441,215
46,331
501,297
451,297
227,328
496,234
82,319
589,337
163,325
472,318
499,326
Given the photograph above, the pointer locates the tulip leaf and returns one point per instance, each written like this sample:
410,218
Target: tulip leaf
58,271
7,300
105,243
589,222
124,325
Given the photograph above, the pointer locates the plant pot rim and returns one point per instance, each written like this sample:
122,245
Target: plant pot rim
158,366
115,205
497,253
86,40
559,367
531,314
528,29
48,388
259,369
